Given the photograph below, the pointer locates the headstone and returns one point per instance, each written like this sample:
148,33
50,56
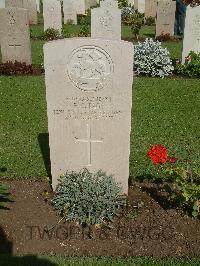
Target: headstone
69,10
80,7
165,17
139,5
89,98
2,3
150,8
14,3
52,14
38,5
31,6
15,38
106,21
191,40
91,3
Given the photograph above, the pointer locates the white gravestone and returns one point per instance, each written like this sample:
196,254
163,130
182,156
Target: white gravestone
150,8
106,21
89,99
14,3
91,3
69,10
52,15
165,17
2,3
31,6
131,2
15,38
191,40
139,5
38,5
80,7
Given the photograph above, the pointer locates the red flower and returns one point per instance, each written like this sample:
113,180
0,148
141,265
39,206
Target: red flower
172,159
158,154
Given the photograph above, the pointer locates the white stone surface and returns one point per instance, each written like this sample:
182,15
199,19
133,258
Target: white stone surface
150,8
191,40
90,3
106,21
14,3
165,17
89,99
69,9
31,6
15,39
131,2
2,3
80,7
109,3
52,14
38,5
139,5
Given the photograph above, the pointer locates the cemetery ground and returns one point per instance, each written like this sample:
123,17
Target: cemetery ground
164,111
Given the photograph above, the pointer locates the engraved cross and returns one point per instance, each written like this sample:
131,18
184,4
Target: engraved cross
88,140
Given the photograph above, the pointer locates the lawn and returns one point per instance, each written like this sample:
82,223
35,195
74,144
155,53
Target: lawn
164,111
95,261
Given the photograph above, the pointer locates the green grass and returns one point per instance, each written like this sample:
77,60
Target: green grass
164,111
95,261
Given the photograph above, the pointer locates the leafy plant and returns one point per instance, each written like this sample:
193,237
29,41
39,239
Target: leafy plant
84,30
4,195
127,15
136,22
51,34
181,182
151,59
88,198
122,3
150,21
191,68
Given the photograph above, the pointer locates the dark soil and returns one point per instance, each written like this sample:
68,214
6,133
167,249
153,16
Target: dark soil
29,225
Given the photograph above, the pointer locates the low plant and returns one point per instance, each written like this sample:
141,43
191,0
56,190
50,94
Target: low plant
88,198
136,22
17,68
51,34
191,68
84,30
122,3
127,15
4,195
166,37
181,182
151,59
150,21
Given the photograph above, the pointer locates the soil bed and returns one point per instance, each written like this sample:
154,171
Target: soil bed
29,225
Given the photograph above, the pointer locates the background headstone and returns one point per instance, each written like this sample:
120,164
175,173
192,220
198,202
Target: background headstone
80,7
91,3
69,10
89,98
14,3
38,5
106,21
165,17
139,5
52,14
191,40
150,8
31,6
2,3
131,2
15,37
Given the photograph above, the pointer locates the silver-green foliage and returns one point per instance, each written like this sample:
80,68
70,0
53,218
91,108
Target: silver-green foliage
151,59
88,198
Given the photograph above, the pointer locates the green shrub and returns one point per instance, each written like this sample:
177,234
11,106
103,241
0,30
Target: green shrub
88,198
149,21
136,21
122,3
151,59
4,195
51,34
191,68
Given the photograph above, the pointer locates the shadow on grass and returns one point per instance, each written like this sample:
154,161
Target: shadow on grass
25,261
43,139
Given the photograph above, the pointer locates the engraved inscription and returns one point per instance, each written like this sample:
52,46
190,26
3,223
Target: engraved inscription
106,20
90,68
88,140
87,108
